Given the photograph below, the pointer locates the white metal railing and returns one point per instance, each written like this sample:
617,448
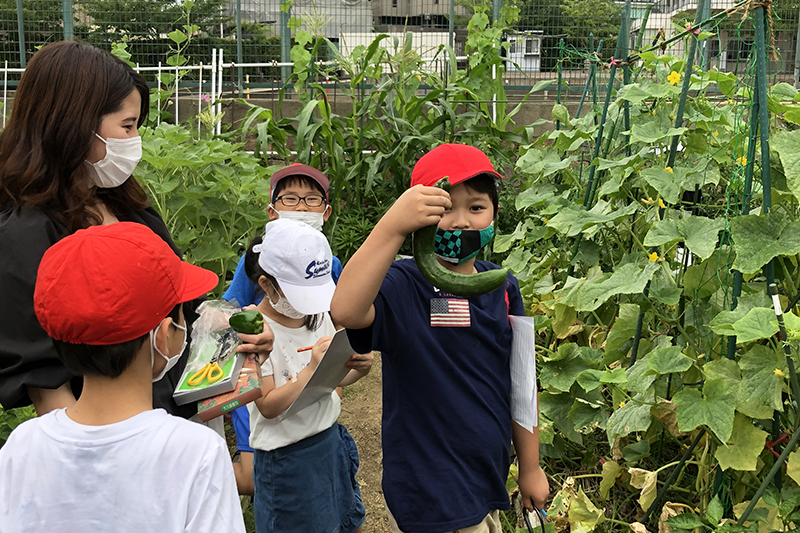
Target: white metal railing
215,70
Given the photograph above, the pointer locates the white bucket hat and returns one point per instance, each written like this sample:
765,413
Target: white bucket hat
300,258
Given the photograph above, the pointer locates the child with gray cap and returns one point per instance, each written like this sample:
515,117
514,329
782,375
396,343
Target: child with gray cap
304,464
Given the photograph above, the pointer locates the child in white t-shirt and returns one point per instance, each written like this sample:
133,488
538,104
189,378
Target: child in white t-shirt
305,464
111,299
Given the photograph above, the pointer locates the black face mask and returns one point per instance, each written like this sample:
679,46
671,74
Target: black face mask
459,246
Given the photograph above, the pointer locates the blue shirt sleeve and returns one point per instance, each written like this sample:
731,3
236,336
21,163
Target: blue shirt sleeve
241,289
336,269
241,426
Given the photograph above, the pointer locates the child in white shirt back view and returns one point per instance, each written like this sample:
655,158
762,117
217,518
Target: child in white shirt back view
111,299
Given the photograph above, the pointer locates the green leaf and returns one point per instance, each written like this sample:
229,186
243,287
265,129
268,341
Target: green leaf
635,451
759,238
556,407
586,295
562,373
177,36
652,132
701,234
634,416
560,112
572,221
670,184
543,163
669,360
639,92
745,445
759,381
758,323
685,521
535,195
663,232
624,327
713,409
786,143
715,511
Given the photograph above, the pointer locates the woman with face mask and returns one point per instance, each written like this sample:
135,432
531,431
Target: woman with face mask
66,159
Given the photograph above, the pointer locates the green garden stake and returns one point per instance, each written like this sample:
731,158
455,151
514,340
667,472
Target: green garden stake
748,190
787,350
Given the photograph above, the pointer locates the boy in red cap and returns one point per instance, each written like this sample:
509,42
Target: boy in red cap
111,298
447,425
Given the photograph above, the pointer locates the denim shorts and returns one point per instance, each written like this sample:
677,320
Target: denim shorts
309,486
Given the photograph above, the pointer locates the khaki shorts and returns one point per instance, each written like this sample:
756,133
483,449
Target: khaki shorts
490,524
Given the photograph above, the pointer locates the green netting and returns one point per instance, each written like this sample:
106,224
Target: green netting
548,36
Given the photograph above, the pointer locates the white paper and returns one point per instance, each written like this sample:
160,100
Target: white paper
326,377
524,405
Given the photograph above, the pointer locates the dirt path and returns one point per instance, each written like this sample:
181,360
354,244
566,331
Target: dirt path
361,415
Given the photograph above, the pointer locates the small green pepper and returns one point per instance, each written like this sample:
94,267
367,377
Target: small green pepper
249,321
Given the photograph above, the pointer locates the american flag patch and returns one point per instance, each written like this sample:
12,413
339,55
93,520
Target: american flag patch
449,313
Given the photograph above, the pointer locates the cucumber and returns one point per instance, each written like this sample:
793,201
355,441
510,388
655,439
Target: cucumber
443,279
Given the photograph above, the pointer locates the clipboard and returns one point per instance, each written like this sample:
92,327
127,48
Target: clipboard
326,377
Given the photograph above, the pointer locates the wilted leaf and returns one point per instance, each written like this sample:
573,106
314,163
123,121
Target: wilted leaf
646,481
583,513
745,445
793,468
664,412
611,471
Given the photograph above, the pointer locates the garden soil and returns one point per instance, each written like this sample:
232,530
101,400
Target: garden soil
361,415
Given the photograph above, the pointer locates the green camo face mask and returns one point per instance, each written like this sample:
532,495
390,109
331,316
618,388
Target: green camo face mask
459,246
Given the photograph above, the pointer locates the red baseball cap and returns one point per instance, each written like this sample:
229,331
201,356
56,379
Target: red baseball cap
299,169
457,162
112,284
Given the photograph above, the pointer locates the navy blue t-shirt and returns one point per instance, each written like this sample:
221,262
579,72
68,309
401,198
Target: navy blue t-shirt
446,398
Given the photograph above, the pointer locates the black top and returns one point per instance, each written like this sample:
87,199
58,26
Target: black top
27,355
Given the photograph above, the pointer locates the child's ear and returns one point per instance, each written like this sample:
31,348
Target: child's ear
326,213
265,285
162,335
272,213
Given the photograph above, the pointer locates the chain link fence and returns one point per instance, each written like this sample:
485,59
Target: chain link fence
548,36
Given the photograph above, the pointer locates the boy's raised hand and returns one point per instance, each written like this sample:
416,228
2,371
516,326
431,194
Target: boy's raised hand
416,208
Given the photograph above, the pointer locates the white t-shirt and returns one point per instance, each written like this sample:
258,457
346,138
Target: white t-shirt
284,363
152,472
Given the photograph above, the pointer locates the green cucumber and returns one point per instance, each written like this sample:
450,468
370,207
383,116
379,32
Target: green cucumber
446,280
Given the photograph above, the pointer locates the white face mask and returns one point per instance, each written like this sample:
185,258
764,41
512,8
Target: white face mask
284,307
315,220
171,361
122,156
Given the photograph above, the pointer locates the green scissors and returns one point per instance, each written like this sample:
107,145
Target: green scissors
211,372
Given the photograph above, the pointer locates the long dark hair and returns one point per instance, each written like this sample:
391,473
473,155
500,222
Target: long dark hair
254,273
65,92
